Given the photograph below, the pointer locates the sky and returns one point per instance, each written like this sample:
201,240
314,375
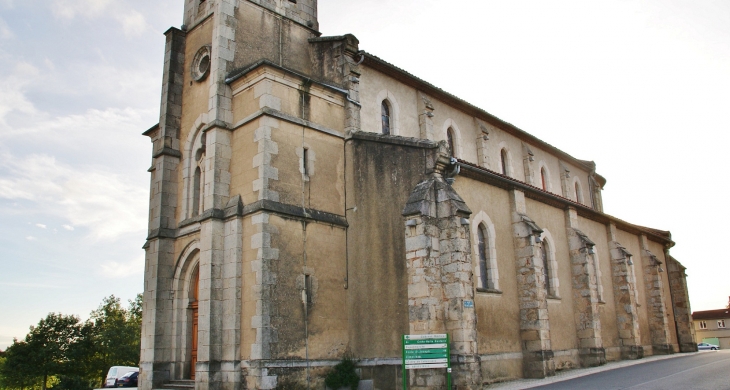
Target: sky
641,87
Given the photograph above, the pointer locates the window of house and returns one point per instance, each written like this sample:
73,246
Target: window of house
721,323
450,140
503,156
703,324
196,192
385,115
544,179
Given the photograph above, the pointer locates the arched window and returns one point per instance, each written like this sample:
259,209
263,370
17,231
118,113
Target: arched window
198,183
543,176
385,115
546,267
486,279
578,193
450,140
503,156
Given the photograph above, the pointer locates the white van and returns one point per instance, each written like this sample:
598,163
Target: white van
117,372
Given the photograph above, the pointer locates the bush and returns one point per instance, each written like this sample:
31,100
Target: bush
343,375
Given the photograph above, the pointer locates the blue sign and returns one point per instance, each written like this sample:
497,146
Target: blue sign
469,304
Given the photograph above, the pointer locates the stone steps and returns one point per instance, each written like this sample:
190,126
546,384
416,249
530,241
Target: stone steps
178,385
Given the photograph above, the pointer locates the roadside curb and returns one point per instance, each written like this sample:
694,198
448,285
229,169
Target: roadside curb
581,372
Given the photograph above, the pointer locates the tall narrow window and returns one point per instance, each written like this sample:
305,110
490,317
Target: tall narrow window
196,192
578,193
503,156
544,179
486,279
308,289
546,267
305,161
703,324
385,114
450,140
721,323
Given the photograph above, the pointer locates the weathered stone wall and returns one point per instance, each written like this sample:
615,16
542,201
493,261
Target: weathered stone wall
381,171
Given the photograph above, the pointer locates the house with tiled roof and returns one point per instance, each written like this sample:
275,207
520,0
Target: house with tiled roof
713,326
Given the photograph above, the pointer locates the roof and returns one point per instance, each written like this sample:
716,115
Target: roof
476,172
711,314
409,79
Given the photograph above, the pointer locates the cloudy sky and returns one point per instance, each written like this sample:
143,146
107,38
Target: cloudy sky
642,87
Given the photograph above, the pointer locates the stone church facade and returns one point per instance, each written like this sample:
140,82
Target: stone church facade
310,201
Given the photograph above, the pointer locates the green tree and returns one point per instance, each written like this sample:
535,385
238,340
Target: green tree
15,372
43,353
115,335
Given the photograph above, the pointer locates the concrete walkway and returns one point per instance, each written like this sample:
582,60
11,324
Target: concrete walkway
579,372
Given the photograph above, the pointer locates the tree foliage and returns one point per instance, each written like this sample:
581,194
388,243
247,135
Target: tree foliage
61,352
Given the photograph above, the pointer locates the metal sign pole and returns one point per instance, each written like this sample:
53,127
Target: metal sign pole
405,380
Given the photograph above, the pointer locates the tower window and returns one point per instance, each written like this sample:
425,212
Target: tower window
544,179
385,115
305,161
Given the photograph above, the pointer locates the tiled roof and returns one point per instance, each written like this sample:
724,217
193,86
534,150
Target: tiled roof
711,314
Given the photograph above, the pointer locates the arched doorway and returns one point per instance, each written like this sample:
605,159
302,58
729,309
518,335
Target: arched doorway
194,285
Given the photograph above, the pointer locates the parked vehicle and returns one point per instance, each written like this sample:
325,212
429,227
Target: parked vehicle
128,380
117,372
706,346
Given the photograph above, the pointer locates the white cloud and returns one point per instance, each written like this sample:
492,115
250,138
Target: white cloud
114,269
30,238
40,225
69,9
107,203
5,31
68,227
12,96
133,23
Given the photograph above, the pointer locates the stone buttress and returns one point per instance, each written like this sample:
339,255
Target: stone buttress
655,300
438,257
156,361
680,303
585,294
538,357
625,296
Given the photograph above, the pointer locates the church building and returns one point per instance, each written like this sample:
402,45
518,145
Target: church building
311,202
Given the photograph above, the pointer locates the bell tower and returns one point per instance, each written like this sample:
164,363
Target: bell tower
303,12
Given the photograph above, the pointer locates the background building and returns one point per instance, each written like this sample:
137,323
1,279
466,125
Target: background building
310,201
713,326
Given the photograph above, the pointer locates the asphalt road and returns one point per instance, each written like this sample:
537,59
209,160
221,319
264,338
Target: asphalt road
704,371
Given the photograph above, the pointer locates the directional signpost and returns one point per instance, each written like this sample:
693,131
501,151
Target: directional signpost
426,351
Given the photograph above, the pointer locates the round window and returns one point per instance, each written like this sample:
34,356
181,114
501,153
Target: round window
201,64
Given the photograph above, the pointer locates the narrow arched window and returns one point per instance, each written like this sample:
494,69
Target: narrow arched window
196,192
486,280
546,267
544,179
450,140
385,115
578,193
503,156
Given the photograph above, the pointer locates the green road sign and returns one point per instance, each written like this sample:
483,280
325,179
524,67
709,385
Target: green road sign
426,351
